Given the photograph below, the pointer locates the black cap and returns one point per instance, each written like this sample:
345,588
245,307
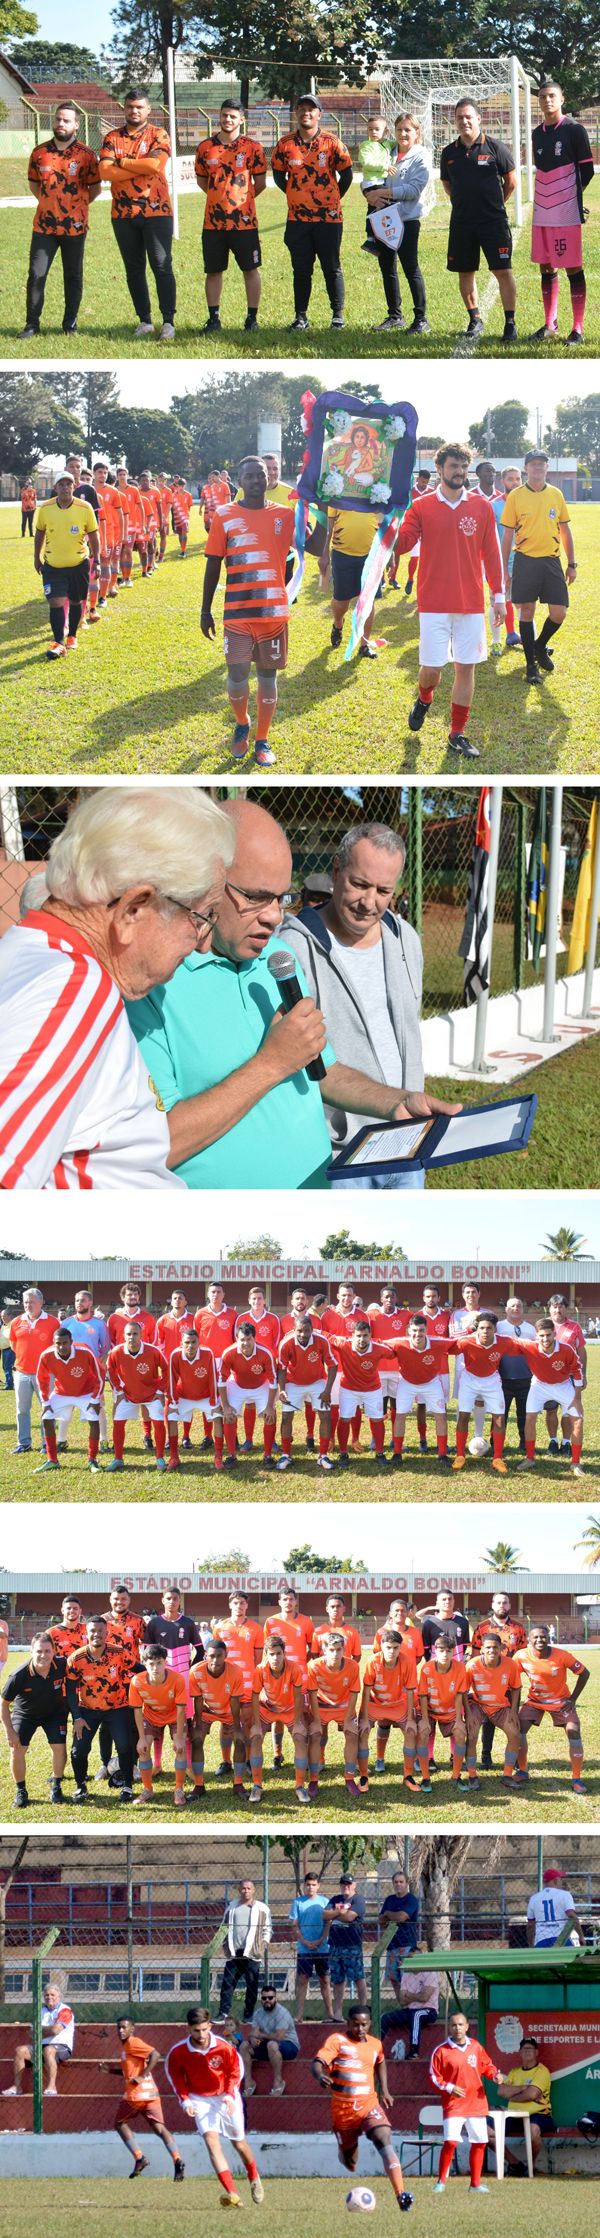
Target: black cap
308,101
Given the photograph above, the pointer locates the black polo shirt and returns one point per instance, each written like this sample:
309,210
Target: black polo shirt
474,176
34,1695
457,1625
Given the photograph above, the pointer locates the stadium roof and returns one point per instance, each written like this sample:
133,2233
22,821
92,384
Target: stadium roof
506,1965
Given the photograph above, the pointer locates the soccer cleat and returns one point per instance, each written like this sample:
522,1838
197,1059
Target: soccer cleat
230,2199
526,1464
367,651
223,1771
391,325
285,1462
510,331
230,1461
186,1445
167,332
247,1446
299,325
250,322
240,740
127,1794
179,2171
146,1795
460,744
257,2191
115,1466
303,1795
495,652
474,329
269,1462
337,320
95,616
172,1463
26,335
21,1449
460,1461
142,330
439,2187
520,1779
213,326
544,334
80,1794
417,714
412,1784
573,338
336,636
21,1801
419,326
179,1799
499,1465
71,644
324,1461
405,2201
277,1761
544,659
532,673
56,1793
577,1469
479,2187
344,1461
55,652
426,1787
379,1766
140,2163
513,642
553,1447
579,1787
255,1796
444,1461
566,1449
45,1466
263,754
310,1445
160,1463
94,1468
409,586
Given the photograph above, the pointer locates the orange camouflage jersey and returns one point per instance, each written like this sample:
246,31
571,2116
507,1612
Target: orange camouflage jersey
160,1699
507,1629
62,178
67,1637
102,1683
229,173
334,1689
126,1633
139,193
440,1691
216,1694
309,172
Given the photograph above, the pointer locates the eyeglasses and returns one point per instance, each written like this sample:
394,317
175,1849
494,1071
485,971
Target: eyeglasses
196,916
259,900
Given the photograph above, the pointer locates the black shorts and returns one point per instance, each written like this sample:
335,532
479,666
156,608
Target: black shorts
542,579
466,242
67,582
26,1724
305,1961
243,245
544,2122
346,573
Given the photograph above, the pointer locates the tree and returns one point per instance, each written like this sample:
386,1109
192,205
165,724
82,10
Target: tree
4,1894
144,31
503,1557
34,424
566,1244
15,21
321,1850
145,438
45,58
223,420
345,1246
561,43
259,1247
578,428
236,1559
503,431
591,1540
304,1558
436,1864
93,396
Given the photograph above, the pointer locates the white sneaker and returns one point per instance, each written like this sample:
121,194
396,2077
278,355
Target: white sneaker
167,332
12,2093
142,331
50,2092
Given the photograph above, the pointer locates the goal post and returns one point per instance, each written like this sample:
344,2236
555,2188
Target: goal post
37,2047
497,84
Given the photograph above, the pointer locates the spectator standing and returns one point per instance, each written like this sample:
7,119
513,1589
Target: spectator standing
346,1965
311,1917
550,1909
402,1906
7,1352
249,1931
28,506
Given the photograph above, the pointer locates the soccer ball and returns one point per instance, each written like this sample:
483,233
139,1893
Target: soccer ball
361,2201
478,1447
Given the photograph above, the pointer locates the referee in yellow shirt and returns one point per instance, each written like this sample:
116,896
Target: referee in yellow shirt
66,536
349,538
537,515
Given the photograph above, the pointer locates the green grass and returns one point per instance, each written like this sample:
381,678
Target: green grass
197,1478
547,1797
107,320
555,1158
144,693
96,2209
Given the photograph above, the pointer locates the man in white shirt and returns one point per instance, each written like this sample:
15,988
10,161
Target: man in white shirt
549,1910
58,2035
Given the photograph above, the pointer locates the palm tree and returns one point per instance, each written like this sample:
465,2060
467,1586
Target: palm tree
566,1244
591,1540
503,1557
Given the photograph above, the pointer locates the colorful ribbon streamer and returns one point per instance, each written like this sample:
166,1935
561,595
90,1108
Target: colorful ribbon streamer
373,570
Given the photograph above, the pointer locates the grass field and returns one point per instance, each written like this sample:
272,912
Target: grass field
145,692
107,319
548,1795
96,2209
419,1478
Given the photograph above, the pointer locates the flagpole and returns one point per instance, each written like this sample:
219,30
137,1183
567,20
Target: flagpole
594,913
551,937
479,1064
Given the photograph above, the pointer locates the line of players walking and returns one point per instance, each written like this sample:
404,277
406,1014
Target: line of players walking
88,534
130,1678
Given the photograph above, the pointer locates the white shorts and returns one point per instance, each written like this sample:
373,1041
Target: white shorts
61,1408
370,1401
489,1390
127,1410
296,1394
452,637
212,2113
430,1395
541,1395
181,1410
239,1399
389,1382
472,2126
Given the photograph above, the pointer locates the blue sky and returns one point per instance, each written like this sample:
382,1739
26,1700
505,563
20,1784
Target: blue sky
66,23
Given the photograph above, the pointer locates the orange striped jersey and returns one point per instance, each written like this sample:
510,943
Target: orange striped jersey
491,1683
412,1640
131,500
137,1375
161,1699
193,1379
181,506
216,1695
547,1675
351,1637
169,1330
254,543
139,2086
213,494
306,1363
333,1688
352,2067
79,1377
296,1633
102,1682
275,1689
248,1373
150,510
442,1689
244,1643
137,194
388,1682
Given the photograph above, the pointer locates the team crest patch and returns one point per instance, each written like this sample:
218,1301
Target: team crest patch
468,524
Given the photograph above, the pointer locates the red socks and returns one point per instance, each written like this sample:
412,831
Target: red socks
446,2159
269,1429
476,2160
93,1442
461,1443
265,709
118,1440
50,1441
459,716
160,1439
230,1436
498,1437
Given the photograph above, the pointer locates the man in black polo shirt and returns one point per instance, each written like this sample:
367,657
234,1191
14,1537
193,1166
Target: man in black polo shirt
478,175
33,1698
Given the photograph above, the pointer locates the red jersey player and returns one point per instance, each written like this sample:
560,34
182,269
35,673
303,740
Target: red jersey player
359,1363
137,1373
546,1668
481,1354
388,1319
173,1322
131,1309
248,1372
556,1376
192,1386
351,2066
306,1370
267,1330
215,1323
459,2069
388,1698
422,1363
206,2073
69,1376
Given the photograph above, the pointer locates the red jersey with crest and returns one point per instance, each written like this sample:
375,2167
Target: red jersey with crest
306,1363
195,1380
560,1366
359,1371
466,2067
438,1323
419,1367
137,1375
266,1328
117,1321
204,2074
335,1324
216,1329
79,1377
482,1360
249,1374
385,1325
169,1330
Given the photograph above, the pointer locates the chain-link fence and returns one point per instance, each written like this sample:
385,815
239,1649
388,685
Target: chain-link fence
438,825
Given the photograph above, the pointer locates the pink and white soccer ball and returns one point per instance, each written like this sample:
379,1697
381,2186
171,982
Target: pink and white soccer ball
361,2201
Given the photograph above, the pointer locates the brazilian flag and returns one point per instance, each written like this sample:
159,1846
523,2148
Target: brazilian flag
537,881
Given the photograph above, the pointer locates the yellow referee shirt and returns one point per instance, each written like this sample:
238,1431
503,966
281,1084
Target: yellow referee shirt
351,532
542,2080
66,529
536,517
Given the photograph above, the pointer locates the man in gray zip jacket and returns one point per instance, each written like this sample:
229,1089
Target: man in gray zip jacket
364,967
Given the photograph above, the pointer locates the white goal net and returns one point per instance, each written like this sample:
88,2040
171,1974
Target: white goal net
500,89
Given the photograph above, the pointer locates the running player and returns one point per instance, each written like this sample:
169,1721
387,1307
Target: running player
480,1383
216,1691
231,171
69,1377
359,1362
459,553
388,1698
253,539
556,1378
422,1364
459,2069
98,1693
66,541
546,1669
351,2066
244,1641
215,1323
138,1375
158,1700
443,1685
306,1371
564,167
279,1687
206,2073
140,2100
493,1697
181,506
333,1691
247,1368
192,1386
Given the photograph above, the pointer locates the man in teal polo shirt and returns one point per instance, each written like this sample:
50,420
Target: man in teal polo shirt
228,1067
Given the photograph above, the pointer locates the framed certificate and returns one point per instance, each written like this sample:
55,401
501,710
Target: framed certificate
485,1130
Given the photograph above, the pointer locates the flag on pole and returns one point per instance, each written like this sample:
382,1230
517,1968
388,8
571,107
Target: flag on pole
537,882
474,946
581,928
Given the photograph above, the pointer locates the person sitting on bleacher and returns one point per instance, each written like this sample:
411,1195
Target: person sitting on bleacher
58,2034
418,2007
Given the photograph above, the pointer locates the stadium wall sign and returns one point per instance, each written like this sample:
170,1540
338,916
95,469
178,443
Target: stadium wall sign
339,1270
569,2046
304,1581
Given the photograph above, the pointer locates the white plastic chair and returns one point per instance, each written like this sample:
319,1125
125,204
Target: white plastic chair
430,2134
499,2115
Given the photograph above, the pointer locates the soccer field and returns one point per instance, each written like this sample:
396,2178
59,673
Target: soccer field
548,1795
100,2209
145,691
106,319
420,1477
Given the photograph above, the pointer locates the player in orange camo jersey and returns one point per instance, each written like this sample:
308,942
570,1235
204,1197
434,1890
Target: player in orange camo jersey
71,1632
181,506
216,1689
192,1387
422,1366
244,1640
546,1668
557,1378
279,1696
69,1376
443,1684
247,1373
494,1695
333,1691
351,2066
138,1375
134,518
388,1698
306,1370
158,1700
140,2100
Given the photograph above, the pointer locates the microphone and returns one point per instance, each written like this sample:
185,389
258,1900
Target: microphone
283,967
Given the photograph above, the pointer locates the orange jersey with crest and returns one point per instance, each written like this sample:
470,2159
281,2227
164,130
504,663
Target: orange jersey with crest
306,1363
159,1700
140,1375
296,1633
442,1689
216,1694
560,1366
140,2087
248,1374
547,1675
412,1641
228,171
308,171
388,1681
137,195
244,1643
386,1325
193,1379
333,1689
254,542
491,1683
275,1689
482,1360
111,518
63,177
352,1639
352,2068
419,1367
145,1320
